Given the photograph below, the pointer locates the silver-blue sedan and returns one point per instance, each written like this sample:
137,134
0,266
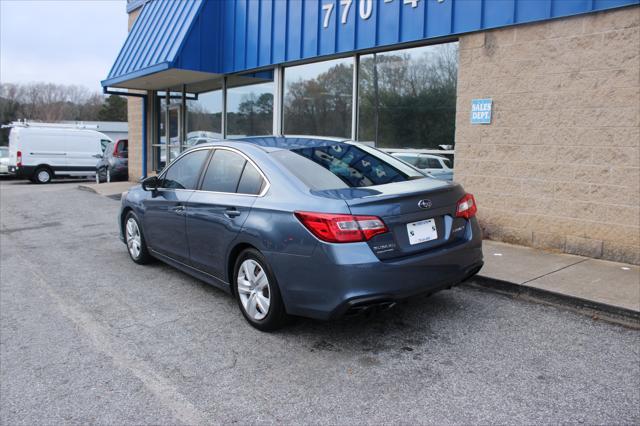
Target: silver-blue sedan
304,226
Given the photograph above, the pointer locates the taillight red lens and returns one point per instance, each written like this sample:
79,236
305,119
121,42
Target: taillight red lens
115,150
342,228
466,207
19,158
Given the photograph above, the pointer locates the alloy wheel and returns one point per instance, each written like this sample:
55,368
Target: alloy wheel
253,289
134,240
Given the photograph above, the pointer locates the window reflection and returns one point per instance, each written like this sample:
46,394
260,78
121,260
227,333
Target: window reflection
250,110
204,118
318,98
407,98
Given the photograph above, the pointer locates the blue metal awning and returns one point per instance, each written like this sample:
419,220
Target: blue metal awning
157,53
192,43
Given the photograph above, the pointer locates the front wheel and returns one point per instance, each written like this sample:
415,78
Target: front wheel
257,292
136,244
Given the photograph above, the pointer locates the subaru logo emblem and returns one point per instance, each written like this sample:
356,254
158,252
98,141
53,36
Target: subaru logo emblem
424,204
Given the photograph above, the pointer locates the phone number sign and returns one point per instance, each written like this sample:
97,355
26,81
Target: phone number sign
481,111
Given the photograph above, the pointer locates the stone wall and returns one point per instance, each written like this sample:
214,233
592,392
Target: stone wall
558,167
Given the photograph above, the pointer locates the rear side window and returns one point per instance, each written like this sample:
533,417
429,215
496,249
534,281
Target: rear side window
344,165
251,181
184,172
122,146
224,171
434,163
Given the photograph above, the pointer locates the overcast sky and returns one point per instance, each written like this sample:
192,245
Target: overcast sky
60,41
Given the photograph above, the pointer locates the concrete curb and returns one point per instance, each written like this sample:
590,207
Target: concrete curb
87,188
597,310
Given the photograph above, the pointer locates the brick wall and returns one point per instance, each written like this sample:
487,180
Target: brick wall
558,168
134,115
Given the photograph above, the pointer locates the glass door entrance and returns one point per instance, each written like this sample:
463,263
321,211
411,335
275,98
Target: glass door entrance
170,143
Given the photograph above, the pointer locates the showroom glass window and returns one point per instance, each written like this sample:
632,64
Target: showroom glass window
407,98
318,98
250,110
204,118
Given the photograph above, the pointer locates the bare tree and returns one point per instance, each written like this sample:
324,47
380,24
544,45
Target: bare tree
49,102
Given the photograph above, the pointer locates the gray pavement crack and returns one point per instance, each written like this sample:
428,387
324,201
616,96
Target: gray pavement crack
554,271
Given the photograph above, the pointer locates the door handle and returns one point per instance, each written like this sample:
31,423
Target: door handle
179,210
232,212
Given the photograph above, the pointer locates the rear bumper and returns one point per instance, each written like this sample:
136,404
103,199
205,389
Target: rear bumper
22,172
338,279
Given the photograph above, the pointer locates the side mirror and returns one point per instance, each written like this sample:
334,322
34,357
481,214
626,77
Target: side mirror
151,183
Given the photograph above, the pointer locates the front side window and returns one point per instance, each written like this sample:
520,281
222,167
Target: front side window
104,143
184,172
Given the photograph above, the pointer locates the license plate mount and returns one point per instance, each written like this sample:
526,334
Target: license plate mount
422,231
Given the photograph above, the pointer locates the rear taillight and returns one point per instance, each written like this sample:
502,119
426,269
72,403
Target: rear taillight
19,158
466,207
115,151
342,228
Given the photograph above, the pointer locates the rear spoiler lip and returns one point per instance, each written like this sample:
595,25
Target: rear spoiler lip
363,196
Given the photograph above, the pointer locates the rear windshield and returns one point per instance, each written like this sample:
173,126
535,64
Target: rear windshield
344,165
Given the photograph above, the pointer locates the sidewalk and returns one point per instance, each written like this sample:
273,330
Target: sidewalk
584,282
110,190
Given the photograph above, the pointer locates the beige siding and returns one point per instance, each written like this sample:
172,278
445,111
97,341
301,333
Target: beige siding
135,124
559,167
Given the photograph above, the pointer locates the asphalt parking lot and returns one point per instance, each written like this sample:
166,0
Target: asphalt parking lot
87,336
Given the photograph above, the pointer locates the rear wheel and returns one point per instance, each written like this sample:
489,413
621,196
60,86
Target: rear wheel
136,244
42,175
102,174
257,292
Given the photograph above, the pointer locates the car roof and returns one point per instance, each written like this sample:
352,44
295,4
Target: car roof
419,154
277,143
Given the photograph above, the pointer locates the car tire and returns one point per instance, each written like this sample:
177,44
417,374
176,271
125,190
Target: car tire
102,174
252,292
42,175
134,238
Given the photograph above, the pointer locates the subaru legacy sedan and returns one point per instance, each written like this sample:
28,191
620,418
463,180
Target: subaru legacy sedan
303,226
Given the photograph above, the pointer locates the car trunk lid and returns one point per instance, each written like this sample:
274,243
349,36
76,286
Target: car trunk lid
420,214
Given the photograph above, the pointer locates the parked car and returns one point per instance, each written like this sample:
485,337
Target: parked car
4,161
202,140
41,154
115,161
312,227
437,166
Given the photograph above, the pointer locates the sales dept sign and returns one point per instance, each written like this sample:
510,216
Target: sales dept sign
481,111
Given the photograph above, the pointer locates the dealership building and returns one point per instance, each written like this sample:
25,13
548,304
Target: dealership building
539,99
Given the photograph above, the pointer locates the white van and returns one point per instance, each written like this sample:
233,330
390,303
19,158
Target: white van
43,153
